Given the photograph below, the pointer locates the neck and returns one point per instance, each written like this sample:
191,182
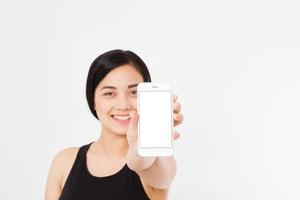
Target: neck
111,145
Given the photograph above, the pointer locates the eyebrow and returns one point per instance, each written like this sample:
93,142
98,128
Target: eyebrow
112,87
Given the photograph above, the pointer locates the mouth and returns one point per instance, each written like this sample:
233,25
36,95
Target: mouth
121,119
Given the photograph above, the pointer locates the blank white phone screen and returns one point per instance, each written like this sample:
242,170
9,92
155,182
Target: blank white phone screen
155,119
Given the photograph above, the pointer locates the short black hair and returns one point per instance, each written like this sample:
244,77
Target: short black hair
105,63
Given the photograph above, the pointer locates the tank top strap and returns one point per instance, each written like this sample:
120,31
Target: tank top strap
78,167
81,157
83,150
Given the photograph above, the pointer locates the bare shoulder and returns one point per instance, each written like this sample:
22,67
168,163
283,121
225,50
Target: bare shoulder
66,155
64,161
60,168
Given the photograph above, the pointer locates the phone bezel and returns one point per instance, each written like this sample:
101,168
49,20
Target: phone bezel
155,151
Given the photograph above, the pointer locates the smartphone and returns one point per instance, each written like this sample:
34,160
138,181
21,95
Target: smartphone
155,124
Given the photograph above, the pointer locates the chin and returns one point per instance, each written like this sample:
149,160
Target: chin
120,131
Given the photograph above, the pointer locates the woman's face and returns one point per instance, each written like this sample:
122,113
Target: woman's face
115,97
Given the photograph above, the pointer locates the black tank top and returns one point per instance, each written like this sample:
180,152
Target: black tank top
81,185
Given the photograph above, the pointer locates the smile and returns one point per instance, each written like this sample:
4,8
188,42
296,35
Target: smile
122,119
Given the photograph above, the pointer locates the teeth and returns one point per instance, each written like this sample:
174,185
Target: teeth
121,117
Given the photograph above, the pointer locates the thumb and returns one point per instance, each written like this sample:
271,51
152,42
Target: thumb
132,128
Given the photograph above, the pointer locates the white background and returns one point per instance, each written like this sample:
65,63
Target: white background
234,65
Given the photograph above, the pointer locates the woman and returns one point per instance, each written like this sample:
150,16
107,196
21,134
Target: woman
110,168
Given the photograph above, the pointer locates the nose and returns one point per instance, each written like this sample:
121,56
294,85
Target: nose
123,103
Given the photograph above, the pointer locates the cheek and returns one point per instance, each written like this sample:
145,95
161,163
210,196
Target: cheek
133,103
103,107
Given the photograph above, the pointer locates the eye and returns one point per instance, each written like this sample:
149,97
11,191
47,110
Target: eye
133,93
107,94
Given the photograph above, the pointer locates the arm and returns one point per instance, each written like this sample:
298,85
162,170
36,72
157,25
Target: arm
60,167
156,173
161,174
53,189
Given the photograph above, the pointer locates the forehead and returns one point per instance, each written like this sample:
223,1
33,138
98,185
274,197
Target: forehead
122,77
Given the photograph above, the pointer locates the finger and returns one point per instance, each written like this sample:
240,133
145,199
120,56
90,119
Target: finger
176,135
176,107
178,118
132,128
175,97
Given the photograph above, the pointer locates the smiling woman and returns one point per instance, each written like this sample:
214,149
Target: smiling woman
107,62
110,167
114,99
